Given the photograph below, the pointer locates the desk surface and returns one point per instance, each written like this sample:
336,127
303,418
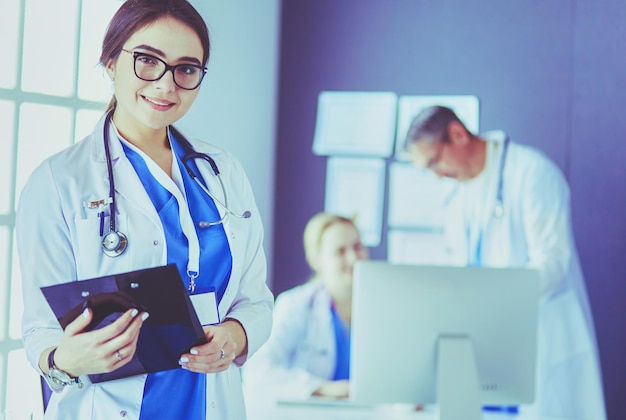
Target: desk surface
320,411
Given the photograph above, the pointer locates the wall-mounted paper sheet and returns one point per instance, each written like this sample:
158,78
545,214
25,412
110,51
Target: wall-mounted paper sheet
466,108
355,187
416,247
355,123
417,198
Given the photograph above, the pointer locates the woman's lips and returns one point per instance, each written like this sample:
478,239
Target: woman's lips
158,104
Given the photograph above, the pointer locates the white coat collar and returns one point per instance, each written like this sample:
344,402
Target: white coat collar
497,136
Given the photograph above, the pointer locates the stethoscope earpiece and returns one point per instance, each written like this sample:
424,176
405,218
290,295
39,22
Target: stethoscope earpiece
114,244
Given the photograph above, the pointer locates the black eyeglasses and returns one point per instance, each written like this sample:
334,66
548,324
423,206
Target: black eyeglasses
150,68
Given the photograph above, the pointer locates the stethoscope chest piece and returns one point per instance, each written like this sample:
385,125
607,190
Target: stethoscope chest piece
114,243
498,210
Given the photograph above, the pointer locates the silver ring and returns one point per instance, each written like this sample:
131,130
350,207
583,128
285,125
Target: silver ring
222,354
119,355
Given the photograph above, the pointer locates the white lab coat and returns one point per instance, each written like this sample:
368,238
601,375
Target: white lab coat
301,352
535,231
58,240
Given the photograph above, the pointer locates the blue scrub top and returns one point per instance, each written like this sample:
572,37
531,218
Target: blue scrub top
180,393
342,341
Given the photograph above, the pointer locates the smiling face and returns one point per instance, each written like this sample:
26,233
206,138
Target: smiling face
145,107
340,248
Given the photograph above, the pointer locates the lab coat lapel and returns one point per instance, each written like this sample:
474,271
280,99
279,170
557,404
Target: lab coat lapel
128,186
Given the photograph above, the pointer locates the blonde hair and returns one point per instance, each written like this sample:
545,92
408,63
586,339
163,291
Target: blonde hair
315,228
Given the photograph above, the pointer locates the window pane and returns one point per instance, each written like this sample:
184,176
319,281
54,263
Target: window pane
86,120
2,379
50,47
9,20
17,304
93,82
4,281
7,117
24,394
43,130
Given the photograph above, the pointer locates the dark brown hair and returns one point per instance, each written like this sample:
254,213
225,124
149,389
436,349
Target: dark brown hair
136,14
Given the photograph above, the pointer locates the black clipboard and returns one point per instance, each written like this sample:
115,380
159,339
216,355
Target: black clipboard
171,330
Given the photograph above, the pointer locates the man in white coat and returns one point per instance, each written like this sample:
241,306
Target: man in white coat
511,209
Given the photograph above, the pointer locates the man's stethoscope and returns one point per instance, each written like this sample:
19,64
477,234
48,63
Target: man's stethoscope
114,242
498,210
474,237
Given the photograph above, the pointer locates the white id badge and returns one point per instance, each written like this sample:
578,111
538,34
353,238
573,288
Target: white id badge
205,305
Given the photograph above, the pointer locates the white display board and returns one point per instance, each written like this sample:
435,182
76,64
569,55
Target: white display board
417,198
416,247
355,123
355,188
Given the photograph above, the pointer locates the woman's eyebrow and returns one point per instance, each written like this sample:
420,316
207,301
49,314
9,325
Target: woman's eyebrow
162,54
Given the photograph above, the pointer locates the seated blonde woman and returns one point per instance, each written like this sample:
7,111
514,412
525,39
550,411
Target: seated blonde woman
308,352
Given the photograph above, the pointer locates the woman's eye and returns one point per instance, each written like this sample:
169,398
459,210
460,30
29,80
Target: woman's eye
187,70
147,60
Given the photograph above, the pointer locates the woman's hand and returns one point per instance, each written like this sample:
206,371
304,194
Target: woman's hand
226,341
334,389
98,351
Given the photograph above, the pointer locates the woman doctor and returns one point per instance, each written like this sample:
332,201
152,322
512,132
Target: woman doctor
122,199
308,351
511,209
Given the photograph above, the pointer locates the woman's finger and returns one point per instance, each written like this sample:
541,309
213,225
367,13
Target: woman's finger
128,337
128,320
79,323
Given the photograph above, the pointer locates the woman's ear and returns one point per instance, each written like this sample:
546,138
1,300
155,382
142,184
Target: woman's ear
110,68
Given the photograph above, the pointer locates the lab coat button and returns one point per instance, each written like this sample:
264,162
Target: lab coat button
212,404
155,243
123,413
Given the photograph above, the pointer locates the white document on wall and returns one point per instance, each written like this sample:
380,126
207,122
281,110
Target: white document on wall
417,198
466,108
416,247
355,123
355,188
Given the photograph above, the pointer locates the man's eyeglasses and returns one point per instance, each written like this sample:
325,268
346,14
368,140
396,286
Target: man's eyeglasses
150,68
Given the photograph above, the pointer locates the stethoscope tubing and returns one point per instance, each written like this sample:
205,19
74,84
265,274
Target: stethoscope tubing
114,243
107,151
498,211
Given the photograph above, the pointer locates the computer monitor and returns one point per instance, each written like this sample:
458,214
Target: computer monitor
461,337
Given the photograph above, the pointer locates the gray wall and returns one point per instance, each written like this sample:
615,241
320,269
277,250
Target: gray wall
551,73
236,106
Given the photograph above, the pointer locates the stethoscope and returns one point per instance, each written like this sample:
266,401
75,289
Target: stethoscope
498,210
114,242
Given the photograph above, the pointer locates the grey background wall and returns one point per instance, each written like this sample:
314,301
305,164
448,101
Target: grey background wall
551,73
236,106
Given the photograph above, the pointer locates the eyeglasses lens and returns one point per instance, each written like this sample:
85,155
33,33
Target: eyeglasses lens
150,68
